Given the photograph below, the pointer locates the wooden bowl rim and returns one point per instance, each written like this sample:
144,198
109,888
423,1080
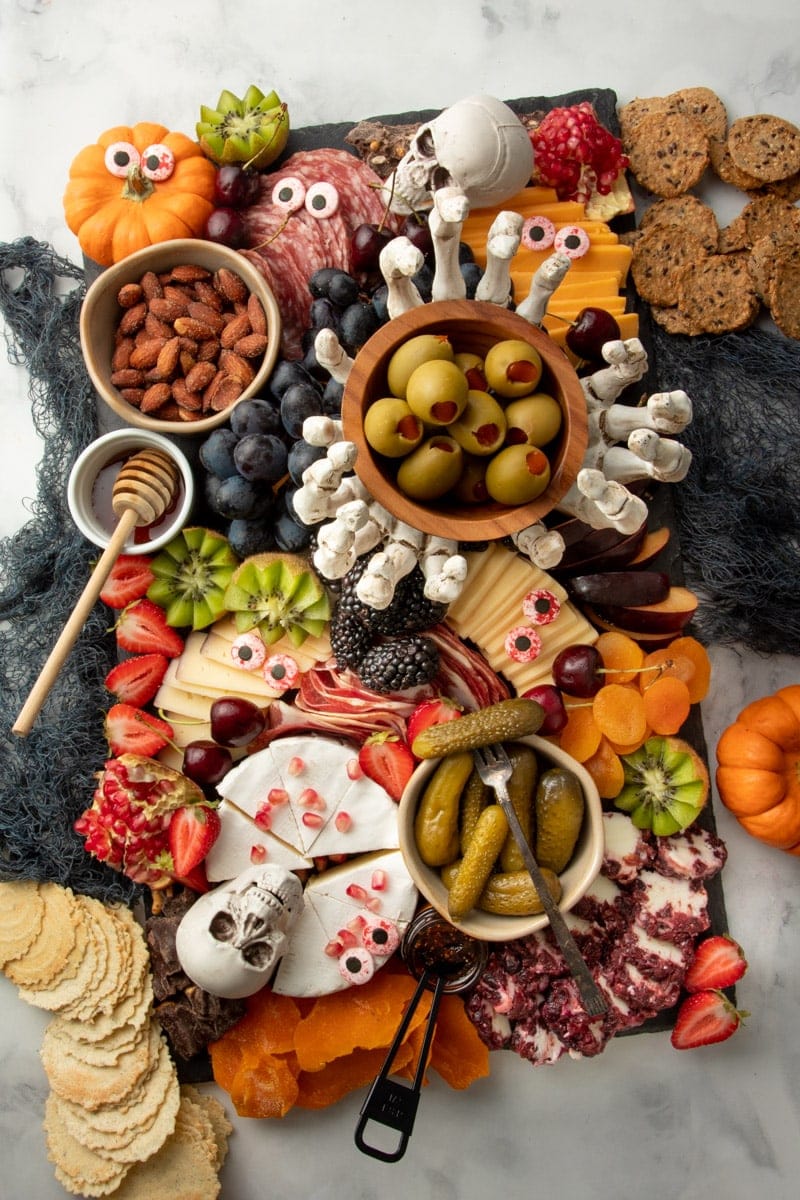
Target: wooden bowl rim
470,522
99,309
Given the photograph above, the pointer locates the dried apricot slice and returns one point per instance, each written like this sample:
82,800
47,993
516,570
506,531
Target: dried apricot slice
665,662
458,1053
667,704
620,654
689,647
619,713
320,1089
580,737
605,768
267,1089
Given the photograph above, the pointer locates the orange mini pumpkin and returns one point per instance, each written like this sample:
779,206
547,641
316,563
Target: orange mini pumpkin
137,185
758,772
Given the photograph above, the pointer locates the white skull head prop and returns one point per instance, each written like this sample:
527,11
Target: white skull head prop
478,145
232,937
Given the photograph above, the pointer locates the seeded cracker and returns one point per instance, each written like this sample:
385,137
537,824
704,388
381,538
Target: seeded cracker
658,258
764,256
766,147
770,214
672,320
716,294
705,106
690,213
785,293
723,165
668,153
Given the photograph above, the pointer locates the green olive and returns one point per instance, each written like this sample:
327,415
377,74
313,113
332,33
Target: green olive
471,487
411,354
432,469
472,366
513,368
535,419
517,474
481,428
391,428
437,392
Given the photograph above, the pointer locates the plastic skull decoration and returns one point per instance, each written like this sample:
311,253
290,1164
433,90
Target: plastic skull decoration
478,145
232,937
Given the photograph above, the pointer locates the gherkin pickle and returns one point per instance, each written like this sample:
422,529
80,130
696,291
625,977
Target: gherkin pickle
560,808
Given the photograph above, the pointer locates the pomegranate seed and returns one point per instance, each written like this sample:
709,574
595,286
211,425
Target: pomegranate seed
378,881
258,853
263,817
356,892
353,769
295,766
312,820
338,858
343,821
333,949
357,924
278,796
347,938
374,904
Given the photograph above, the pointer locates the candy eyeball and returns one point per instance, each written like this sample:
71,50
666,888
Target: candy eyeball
381,937
356,965
281,672
538,233
572,241
157,162
540,606
249,652
322,200
120,157
523,644
289,194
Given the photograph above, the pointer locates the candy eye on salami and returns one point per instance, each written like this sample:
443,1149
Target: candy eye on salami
538,233
289,194
322,200
572,241
158,162
120,157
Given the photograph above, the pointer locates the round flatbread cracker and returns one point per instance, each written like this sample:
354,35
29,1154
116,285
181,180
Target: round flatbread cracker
716,294
90,1085
66,991
668,153
21,916
658,259
50,954
80,1170
179,1170
690,213
216,1115
136,1110
766,147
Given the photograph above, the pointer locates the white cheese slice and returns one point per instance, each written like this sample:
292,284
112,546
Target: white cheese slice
305,969
193,668
241,844
248,785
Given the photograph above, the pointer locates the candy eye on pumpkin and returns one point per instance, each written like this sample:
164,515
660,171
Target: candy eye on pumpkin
289,194
322,200
572,241
158,162
538,233
120,157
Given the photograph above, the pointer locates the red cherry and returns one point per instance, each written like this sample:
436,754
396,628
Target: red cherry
555,714
206,762
590,331
235,187
577,670
235,722
224,225
415,228
366,243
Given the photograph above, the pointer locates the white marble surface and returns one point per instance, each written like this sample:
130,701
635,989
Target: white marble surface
642,1118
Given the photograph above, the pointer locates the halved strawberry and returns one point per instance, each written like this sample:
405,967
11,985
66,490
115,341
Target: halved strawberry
131,730
142,628
136,680
431,712
130,578
192,833
705,1018
718,962
387,760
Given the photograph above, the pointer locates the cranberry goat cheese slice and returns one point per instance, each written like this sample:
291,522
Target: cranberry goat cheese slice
353,918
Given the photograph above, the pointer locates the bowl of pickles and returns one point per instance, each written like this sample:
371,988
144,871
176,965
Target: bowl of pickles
464,861
469,422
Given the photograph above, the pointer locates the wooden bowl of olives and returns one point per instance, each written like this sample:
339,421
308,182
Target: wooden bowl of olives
470,422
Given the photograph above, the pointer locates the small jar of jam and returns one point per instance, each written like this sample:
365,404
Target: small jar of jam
432,944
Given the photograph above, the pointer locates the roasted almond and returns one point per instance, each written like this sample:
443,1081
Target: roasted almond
207,294
224,396
129,295
122,354
127,378
133,318
200,376
168,358
251,346
255,311
155,397
233,364
169,310
151,286
206,314
186,399
133,396
158,328
230,285
236,328
189,273
192,328
146,353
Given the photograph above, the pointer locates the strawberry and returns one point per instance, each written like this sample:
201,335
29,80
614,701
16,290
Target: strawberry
387,760
192,832
718,962
130,730
431,712
142,629
705,1018
136,680
130,578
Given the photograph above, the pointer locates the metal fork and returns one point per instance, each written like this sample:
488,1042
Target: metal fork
495,769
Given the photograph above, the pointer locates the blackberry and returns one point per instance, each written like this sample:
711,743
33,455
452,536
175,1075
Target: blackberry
350,639
409,612
401,662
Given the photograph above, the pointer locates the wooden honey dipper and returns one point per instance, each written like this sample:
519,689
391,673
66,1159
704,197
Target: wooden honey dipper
144,489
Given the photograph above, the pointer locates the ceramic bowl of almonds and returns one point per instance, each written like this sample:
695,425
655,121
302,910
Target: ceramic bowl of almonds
469,421
174,335
458,851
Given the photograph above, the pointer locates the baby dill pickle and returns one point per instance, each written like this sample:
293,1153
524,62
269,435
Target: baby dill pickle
521,789
512,894
436,820
500,722
478,861
474,799
559,816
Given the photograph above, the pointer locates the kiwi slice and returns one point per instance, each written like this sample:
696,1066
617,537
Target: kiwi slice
279,595
252,130
192,572
666,785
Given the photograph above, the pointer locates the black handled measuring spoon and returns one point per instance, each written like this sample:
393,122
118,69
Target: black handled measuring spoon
443,959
